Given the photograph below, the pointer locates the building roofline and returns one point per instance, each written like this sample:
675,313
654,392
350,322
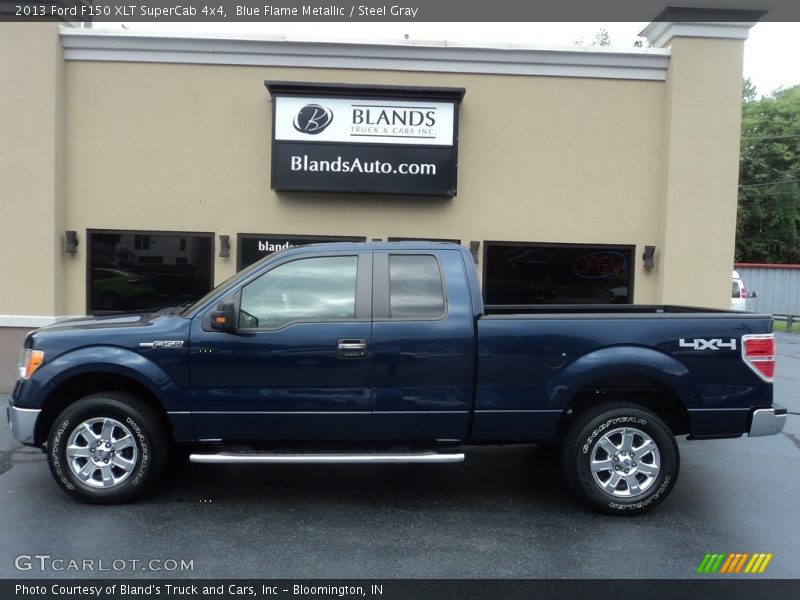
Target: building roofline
402,55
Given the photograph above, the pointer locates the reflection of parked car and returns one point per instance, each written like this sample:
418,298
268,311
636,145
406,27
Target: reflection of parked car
175,280
113,289
740,300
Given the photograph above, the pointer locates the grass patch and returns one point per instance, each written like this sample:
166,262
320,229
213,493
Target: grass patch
782,325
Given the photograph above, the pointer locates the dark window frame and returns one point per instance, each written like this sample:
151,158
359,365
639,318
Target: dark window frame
422,239
88,265
612,247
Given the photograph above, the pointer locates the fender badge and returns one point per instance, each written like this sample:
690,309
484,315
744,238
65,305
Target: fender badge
162,344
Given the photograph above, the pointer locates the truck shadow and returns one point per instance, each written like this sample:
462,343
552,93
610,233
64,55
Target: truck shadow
489,474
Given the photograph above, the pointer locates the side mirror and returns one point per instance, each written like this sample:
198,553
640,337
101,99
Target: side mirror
224,317
754,294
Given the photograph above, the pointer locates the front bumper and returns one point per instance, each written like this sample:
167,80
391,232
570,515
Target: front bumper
767,421
22,422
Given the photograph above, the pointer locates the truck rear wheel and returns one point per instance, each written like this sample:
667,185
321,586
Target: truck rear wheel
620,459
107,448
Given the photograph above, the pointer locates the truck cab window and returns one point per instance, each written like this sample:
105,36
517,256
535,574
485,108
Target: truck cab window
310,289
415,287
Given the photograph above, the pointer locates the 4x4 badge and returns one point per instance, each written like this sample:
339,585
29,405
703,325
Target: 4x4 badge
714,344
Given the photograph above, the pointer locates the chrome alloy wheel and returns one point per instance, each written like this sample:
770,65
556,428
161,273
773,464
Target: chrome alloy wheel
102,452
625,462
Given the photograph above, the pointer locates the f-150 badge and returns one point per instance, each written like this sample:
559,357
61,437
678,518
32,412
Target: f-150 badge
701,344
162,344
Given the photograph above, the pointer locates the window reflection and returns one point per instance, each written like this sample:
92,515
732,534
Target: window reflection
415,287
557,274
310,289
147,271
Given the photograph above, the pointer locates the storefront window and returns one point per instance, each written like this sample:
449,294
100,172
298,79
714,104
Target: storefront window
255,246
133,271
529,273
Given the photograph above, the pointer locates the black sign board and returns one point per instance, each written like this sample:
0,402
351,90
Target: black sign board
364,139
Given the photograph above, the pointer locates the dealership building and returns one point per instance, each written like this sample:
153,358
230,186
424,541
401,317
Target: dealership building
138,170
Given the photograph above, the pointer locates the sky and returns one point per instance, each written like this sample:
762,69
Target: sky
771,56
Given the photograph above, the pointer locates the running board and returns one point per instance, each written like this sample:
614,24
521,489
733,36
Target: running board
344,458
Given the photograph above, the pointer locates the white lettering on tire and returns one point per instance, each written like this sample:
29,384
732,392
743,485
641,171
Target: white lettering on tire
144,451
601,428
54,456
643,503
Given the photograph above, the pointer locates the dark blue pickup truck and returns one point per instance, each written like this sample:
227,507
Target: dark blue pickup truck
385,353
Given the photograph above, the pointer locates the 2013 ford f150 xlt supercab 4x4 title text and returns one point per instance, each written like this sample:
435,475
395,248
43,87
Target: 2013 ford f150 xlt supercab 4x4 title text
344,353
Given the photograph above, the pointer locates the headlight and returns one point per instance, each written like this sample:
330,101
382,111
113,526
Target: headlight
29,361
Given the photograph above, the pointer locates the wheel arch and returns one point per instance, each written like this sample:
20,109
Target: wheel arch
98,379
630,375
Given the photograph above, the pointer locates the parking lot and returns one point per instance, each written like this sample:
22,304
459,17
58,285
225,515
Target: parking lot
505,513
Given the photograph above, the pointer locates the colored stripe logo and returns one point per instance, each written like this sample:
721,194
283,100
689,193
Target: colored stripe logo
734,562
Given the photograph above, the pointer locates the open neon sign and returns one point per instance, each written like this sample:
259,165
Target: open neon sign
600,265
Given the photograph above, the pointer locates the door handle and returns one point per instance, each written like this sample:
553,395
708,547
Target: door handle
351,348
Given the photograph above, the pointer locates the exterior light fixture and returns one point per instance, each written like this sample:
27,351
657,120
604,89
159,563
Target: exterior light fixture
70,242
224,246
647,257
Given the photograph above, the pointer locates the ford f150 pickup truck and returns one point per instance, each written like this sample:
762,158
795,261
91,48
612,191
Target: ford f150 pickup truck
385,353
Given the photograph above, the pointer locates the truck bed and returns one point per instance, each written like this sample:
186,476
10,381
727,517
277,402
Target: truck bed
529,310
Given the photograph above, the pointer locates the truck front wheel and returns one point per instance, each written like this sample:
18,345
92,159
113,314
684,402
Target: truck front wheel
107,448
620,459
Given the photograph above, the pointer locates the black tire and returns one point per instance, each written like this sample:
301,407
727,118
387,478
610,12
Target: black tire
639,488
131,423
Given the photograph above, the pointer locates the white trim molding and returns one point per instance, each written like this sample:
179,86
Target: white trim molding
660,33
511,59
29,321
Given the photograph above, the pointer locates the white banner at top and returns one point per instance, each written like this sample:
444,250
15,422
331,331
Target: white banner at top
363,121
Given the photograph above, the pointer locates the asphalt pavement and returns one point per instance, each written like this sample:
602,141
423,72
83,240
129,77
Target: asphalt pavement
505,513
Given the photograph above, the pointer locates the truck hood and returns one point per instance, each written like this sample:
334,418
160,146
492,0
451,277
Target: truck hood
125,330
106,322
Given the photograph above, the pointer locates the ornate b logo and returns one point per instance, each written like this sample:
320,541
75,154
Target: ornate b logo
313,119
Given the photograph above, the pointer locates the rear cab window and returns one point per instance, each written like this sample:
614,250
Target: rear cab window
416,289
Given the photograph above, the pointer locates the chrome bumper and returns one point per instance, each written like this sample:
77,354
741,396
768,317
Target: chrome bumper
767,421
22,422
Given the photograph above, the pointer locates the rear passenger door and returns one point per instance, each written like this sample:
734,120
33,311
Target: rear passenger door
423,338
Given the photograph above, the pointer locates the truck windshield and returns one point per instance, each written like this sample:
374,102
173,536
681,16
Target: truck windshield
240,274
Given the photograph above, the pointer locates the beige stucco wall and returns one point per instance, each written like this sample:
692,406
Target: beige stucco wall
31,169
177,147
186,148
698,212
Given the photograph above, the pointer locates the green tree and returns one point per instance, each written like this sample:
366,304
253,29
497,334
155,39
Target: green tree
768,220
601,38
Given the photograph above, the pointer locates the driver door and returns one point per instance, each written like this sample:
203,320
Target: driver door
299,365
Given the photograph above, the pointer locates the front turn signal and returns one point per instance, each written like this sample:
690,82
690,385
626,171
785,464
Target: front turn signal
31,360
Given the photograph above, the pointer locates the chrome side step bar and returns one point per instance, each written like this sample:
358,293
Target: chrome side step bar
344,458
